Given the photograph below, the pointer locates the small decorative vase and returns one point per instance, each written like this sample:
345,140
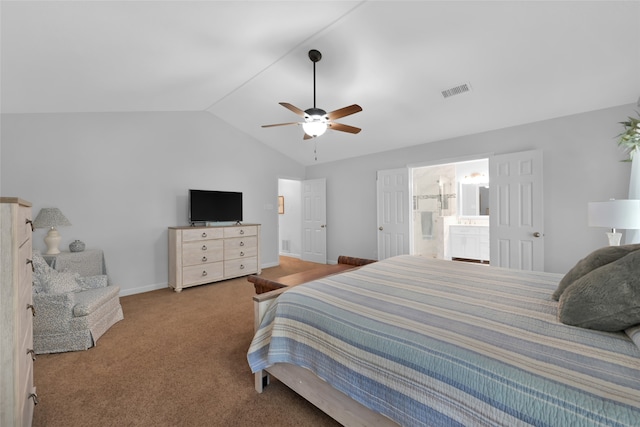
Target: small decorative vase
76,246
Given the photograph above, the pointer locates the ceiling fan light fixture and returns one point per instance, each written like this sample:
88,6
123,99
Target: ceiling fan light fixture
316,120
315,127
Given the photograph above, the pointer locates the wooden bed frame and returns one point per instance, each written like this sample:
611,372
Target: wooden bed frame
333,402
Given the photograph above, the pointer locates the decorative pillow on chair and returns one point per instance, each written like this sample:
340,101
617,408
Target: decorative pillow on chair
60,282
40,266
594,260
606,299
93,282
49,281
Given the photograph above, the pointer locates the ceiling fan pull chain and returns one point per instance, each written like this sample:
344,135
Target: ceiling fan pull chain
315,148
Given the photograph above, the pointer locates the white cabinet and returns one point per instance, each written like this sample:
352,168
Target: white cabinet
17,393
469,242
199,255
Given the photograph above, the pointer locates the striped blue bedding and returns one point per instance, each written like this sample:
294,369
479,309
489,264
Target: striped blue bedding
439,343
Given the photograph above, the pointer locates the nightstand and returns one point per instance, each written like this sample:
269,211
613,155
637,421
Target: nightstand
89,262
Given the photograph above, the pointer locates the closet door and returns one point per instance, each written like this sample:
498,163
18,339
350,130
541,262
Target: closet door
393,212
517,229
314,220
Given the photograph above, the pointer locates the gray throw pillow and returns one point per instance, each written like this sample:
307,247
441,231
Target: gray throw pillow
606,299
594,260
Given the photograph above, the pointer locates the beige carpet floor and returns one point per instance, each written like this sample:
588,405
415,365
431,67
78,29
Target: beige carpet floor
177,359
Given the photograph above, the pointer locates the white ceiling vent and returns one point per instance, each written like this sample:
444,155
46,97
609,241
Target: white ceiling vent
466,87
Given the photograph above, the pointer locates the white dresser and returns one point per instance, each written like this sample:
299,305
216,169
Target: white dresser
199,255
469,242
17,393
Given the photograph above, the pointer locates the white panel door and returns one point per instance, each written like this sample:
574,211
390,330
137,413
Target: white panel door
393,213
517,229
314,220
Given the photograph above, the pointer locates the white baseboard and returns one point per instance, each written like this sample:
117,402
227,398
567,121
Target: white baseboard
142,289
290,255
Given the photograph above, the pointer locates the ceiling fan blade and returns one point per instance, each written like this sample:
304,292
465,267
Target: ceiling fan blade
280,124
343,112
307,136
344,128
292,108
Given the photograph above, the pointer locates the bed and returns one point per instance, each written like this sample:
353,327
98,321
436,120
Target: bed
415,341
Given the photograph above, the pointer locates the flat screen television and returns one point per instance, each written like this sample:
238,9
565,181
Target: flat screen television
215,206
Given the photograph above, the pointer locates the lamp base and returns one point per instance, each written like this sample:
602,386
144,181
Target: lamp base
614,239
52,240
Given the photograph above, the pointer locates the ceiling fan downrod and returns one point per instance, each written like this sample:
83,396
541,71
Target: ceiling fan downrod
314,56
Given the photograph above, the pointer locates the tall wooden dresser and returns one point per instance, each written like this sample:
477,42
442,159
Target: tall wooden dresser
17,393
199,255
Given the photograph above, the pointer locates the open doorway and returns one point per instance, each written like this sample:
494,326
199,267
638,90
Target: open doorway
302,216
451,210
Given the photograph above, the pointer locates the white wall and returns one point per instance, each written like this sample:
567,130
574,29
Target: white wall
123,178
581,164
291,221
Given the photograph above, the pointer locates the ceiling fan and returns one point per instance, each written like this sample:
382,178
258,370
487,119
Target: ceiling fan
316,120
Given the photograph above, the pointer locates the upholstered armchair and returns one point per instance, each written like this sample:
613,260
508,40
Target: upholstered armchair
71,312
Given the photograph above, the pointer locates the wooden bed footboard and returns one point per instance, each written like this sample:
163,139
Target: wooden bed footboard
318,392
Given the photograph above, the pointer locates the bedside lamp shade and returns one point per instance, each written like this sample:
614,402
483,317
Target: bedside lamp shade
51,218
613,214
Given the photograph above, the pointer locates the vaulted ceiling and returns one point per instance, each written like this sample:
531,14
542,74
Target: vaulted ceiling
524,61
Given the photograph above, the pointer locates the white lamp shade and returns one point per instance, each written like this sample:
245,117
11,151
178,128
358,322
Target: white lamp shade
623,214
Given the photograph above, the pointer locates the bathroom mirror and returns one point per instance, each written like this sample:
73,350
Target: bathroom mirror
473,199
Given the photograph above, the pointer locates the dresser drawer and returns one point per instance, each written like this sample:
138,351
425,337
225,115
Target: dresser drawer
24,371
28,402
26,342
204,273
240,247
194,253
240,266
24,227
201,234
24,322
240,231
25,270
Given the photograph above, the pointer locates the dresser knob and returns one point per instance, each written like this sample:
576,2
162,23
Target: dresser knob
241,243
204,259
30,261
34,397
241,253
32,353
204,273
33,309
241,266
28,221
204,235
241,231
204,247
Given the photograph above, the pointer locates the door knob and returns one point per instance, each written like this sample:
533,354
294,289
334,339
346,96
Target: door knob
380,228
323,226
536,234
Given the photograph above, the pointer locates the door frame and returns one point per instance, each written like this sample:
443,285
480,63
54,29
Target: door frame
411,166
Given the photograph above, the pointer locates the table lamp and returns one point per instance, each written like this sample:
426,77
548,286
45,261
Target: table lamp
51,218
613,214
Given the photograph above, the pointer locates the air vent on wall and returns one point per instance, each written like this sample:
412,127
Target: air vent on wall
456,90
